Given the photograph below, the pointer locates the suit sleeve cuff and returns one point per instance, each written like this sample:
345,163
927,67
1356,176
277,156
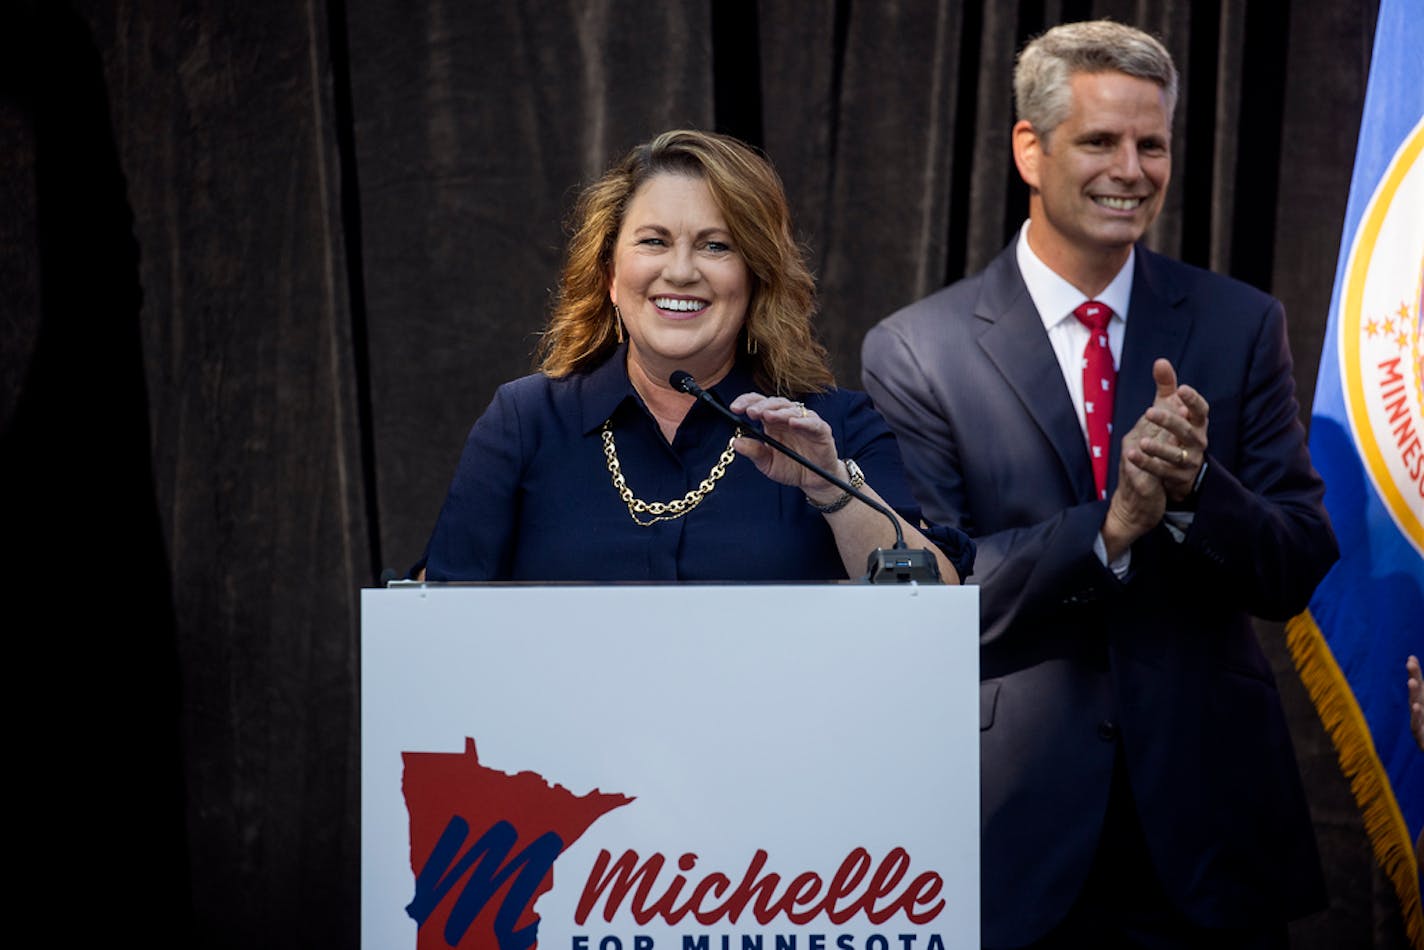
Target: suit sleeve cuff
1119,567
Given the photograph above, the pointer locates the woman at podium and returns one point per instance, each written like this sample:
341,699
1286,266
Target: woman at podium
604,466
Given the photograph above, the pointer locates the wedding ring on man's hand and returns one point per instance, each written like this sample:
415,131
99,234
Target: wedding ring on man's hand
1183,459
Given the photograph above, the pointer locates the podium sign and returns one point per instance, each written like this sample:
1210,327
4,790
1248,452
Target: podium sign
670,767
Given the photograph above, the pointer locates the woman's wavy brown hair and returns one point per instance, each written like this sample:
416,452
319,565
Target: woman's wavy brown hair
580,334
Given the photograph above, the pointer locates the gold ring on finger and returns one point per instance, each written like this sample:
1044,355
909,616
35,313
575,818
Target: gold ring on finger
1183,460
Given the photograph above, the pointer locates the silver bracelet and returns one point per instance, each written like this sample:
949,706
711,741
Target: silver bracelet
857,479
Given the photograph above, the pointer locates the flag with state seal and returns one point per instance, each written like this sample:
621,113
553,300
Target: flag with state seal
1367,440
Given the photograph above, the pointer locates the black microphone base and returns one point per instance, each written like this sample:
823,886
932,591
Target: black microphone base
902,566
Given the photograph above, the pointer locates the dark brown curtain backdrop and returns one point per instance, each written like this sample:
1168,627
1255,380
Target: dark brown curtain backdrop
262,263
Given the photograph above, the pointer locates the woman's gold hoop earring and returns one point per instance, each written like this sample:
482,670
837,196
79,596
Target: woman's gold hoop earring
617,323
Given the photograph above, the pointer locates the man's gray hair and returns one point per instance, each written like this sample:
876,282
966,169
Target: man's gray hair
1042,91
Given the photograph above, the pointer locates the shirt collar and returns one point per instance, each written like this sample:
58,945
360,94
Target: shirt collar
605,388
1055,298
737,381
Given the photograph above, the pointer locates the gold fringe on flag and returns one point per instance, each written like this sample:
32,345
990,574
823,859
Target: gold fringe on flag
1340,712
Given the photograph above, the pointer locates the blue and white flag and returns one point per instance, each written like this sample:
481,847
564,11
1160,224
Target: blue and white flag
1367,440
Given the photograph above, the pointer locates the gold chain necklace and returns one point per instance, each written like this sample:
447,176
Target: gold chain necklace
664,511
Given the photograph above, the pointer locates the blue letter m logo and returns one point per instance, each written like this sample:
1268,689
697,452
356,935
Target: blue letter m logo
489,865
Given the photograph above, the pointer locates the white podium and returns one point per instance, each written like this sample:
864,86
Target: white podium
670,767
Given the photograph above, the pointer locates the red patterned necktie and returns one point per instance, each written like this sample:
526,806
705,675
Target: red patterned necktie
1099,379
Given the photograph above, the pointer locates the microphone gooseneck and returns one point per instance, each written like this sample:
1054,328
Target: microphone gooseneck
899,565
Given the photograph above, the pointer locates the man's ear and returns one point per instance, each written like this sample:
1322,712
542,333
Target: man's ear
1028,147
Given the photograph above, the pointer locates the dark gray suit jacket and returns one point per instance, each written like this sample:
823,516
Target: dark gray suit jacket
1072,660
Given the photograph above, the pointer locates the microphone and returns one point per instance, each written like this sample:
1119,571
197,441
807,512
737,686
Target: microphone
899,565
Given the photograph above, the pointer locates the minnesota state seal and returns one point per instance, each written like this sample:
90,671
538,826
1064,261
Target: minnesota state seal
1381,354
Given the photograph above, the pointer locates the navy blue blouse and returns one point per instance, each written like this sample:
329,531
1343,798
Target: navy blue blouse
532,498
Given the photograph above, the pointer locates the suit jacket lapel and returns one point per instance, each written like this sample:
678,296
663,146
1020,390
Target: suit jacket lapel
1017,345
1156,327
